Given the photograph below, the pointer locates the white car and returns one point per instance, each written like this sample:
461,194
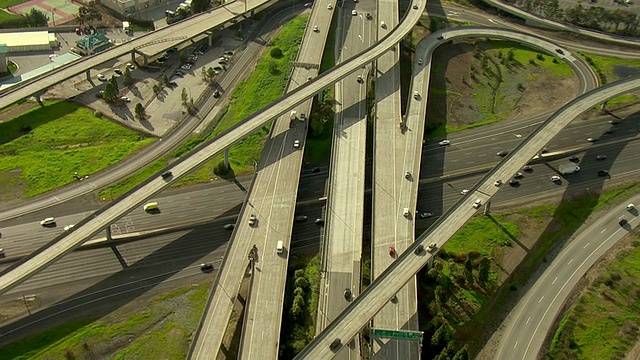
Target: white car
477,203
48,221
591,139
101,77
464,192
131,66
252,220
296,143
555,178
631,207
125,99
416,95
185,67
497,183
315,28
68,227
329,6
354,12
444,142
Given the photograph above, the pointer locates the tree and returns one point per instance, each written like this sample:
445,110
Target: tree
127,79
139,110
483,271
462,354
36,18
442,336
198,6
276,53
114,83
165,79
468,272
185,97
87,15
110,92
301,282
182,56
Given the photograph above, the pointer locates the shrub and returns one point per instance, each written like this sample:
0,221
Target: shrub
97,114
276,53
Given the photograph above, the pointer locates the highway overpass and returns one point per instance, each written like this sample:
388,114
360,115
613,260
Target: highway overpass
394,153
272,199
411,261
154,42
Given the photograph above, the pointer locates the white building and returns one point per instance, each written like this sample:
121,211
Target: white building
29,41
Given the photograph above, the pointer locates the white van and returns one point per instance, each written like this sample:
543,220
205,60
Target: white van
383,25
280,247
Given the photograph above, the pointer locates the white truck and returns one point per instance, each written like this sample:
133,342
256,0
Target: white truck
566,169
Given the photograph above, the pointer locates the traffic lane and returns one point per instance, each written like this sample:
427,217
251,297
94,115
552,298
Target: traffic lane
535,313
484,151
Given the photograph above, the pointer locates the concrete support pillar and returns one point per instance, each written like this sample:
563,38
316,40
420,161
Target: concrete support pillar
133,56
226,158
487,207
88,73
210,40
145,60
109,237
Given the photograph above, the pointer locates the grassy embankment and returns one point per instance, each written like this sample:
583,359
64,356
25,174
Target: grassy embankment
499,75
605,66
160,330
41,149
603,322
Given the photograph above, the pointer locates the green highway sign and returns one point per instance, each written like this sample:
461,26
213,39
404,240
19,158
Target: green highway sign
398,334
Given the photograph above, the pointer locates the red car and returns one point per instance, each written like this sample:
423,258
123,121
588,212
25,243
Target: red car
392,251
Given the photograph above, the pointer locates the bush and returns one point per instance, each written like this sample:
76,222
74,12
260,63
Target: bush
221,169
276,53
97,114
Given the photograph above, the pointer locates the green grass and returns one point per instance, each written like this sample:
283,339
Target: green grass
7,3
600,325
523,54
156,332
623,99
47,145
112,192
607,63
5,16
483,235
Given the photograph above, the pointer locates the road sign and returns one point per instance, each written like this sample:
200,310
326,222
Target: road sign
398,334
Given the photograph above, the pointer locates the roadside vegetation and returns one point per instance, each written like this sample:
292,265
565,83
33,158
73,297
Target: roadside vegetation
300,305
48,147
474,275
114,191
610,69
603,322
266,84
157,329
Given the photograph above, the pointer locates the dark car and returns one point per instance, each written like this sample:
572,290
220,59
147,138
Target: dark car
208,267
574,159
623,222
527,168
601,157
419,250
335,344
347,294
518,175
368,15
118,71
603,173
559,51
230,53
167,174
319,222
315,170
172,84
216,94
229,226
514,182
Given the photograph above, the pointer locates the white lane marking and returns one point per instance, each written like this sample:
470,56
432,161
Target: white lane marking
539,301
528,320
584,247
570,261
514,346
554,280
603,230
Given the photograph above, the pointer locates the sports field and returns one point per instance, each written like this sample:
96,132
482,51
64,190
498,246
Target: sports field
58,11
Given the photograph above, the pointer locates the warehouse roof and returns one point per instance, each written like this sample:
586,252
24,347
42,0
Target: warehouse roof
27,38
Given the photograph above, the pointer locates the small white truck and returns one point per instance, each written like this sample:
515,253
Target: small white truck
566,169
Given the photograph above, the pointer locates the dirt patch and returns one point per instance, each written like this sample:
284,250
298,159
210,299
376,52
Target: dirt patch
472,82
17,110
